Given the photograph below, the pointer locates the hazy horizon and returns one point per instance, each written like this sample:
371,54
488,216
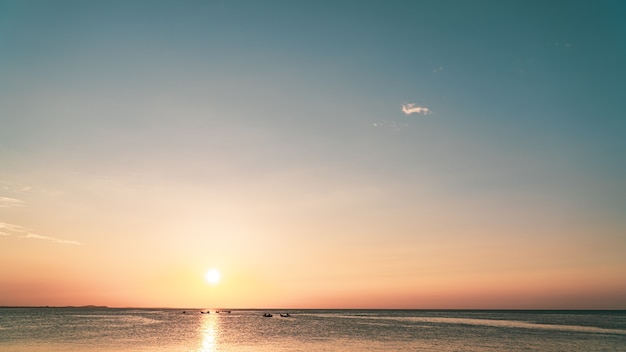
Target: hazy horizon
214,310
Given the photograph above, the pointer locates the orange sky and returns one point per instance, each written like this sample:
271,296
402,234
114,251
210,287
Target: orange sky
385,155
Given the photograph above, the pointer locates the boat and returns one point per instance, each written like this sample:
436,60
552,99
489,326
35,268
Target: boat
286,315
267,315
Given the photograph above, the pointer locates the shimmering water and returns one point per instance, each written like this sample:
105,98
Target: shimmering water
78,329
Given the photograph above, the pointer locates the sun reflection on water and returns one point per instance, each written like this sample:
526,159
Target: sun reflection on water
210,332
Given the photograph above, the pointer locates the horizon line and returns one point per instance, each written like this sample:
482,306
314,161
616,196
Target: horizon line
285,308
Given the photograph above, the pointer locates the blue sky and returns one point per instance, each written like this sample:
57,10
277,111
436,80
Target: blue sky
292,111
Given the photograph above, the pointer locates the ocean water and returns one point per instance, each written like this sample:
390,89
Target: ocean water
101,329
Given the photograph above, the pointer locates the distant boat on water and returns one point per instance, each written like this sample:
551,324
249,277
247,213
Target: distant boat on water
267,315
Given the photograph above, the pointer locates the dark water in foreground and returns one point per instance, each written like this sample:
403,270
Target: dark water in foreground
79,329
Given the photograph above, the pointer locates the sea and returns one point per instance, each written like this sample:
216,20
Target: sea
195,330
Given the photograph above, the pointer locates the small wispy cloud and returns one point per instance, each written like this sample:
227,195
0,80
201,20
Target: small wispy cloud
6,202
14,188
411,108
8,229
22,232
55,240
394,125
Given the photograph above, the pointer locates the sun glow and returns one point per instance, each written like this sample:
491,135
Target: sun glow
212,276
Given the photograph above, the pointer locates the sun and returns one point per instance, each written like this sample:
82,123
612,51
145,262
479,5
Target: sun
212,276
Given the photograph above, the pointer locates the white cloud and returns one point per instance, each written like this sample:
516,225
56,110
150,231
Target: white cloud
22,232
55,240
409,109
35,236
12,228
14,188
6,202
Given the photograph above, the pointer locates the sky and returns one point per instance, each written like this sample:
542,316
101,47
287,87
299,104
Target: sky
319,154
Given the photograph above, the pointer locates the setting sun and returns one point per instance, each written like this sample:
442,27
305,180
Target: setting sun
212,276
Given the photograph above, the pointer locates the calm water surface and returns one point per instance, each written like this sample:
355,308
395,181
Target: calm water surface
78,329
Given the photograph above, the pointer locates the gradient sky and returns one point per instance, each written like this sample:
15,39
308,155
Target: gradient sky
331,154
